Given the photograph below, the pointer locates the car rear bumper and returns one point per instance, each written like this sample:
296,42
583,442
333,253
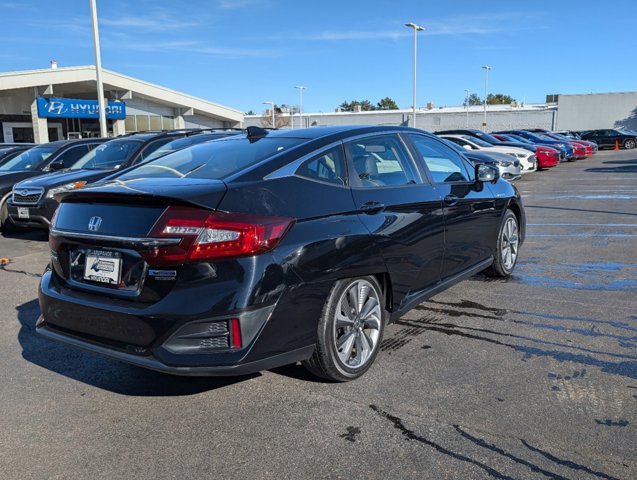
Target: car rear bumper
160,336
152,363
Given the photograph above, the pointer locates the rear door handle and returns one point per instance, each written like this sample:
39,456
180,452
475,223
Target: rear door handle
451,199
372,207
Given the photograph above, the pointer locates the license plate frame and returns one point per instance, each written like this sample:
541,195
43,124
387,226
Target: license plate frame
103,267
23,213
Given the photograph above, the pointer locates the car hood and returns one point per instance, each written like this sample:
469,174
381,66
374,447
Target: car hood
57,179
9,179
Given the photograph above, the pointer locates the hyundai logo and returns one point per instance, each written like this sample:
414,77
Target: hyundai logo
94,224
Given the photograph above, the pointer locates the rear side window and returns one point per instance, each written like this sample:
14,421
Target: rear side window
72,155
444,164
212,160
151,147
327,167
381,161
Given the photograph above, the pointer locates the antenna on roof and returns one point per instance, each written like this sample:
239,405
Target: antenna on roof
256,133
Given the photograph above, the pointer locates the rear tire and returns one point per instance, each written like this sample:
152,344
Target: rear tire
5,223
350,330
507,246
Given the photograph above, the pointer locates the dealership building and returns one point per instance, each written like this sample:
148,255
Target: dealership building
58,103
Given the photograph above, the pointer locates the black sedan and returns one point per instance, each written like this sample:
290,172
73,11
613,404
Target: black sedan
272,247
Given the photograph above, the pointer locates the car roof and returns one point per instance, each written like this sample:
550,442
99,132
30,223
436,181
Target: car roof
314,133
63,143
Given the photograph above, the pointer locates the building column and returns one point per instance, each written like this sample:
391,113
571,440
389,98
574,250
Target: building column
180,123
40,125
119,127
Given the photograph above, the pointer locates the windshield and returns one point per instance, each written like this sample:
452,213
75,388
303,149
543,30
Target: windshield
32,159
628,131
477,141
108,155
488,138
517,138
181,143
213,160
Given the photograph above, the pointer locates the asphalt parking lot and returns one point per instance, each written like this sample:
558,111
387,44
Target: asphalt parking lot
535,377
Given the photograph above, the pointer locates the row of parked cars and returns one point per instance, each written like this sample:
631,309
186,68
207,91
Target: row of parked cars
229,252
517,152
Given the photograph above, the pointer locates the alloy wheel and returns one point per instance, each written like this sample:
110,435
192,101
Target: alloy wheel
358,323
509,244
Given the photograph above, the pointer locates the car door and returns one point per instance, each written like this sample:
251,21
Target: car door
400,208
470,215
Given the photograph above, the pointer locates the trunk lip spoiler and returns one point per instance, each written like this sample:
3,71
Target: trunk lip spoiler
145,241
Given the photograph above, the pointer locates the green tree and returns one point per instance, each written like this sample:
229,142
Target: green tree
499,99
365,106
473,100
250,112
386,104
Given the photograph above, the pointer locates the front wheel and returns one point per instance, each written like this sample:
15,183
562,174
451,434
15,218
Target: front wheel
350,330
506,247
630,144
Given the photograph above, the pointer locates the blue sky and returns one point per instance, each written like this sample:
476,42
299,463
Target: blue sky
243,52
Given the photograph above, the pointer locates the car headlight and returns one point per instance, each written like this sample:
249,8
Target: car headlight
504,163
64,188
521,155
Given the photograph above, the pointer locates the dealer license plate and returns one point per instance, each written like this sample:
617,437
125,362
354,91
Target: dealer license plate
23,213
103,267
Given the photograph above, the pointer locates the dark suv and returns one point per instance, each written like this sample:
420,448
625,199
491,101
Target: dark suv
39,160
33,201
610,138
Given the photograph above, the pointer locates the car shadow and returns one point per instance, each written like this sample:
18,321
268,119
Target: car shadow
103,372
624,166
34,235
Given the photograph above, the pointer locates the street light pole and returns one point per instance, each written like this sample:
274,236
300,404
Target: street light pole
98,71
300,88
466,104
486,94
417,28
272,111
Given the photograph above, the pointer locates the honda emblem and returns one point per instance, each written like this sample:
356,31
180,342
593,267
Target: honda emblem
94,224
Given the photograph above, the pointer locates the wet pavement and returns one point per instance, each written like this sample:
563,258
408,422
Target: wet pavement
535,377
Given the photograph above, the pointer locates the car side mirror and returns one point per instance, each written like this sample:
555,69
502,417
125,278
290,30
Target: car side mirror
487,173
57,165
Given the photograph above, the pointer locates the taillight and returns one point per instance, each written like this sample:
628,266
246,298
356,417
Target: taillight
204,235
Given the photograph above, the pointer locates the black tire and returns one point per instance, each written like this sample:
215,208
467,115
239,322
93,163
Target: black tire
629,144
326,361
502,266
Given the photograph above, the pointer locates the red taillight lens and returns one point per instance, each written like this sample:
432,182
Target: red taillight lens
205,235
235,333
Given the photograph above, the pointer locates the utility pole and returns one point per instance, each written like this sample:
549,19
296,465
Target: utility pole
98,71
417,28
300,88
486,94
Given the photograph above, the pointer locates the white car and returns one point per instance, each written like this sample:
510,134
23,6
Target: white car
528,160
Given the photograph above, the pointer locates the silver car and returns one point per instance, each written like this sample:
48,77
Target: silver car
509,166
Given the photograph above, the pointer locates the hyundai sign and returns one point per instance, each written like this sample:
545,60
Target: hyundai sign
73,108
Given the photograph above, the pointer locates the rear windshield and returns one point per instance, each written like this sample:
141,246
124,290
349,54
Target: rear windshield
214,160
32,159
477,141
108,155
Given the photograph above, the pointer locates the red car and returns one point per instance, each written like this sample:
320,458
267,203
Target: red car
547,157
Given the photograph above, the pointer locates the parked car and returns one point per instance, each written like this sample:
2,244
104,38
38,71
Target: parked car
37,161
489,138
547,157
509,168
33,202
10,150
610,138
528,161
581,148
540,139
264,249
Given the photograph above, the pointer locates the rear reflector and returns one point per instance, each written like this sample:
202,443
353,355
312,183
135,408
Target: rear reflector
208,236
235,333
